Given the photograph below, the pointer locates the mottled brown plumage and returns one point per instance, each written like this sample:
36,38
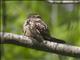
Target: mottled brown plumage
36,28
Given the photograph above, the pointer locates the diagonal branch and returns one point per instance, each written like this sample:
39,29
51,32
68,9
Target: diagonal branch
63,49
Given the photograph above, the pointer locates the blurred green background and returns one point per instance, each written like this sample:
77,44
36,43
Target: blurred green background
63,21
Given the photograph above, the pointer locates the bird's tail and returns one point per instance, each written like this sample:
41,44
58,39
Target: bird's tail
55,40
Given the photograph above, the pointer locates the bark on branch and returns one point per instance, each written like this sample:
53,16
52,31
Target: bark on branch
63,49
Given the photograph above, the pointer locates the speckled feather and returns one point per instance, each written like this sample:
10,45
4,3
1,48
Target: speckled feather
36,28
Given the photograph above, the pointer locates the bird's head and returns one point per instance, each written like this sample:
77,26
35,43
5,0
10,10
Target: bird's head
34,17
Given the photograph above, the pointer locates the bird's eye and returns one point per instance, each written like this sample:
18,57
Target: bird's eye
38,16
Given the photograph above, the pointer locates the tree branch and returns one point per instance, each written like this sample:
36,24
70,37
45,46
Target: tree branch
63,49
63,2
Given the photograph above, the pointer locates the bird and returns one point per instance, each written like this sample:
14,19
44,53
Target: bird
35,27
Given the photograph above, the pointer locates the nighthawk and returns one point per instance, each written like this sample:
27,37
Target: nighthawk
35,27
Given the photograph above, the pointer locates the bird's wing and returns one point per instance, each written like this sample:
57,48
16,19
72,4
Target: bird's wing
43,29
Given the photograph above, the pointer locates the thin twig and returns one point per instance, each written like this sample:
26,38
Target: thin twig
63,2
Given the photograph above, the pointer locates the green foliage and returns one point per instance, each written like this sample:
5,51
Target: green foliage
66,26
